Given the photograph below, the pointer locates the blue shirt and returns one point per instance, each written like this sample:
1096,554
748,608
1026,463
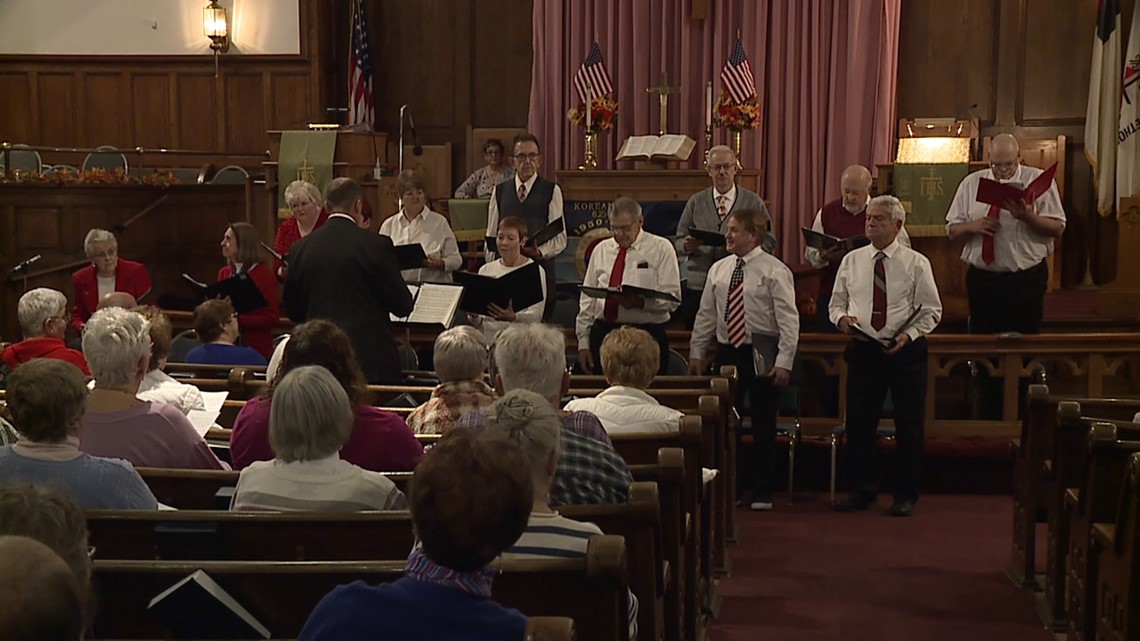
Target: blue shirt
95,483
411,610
220,354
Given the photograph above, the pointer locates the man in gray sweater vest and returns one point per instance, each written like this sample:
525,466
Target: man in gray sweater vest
709,210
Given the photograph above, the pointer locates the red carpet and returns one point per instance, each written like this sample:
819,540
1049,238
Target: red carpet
805,573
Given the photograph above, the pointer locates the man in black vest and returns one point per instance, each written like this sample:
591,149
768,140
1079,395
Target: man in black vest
535,200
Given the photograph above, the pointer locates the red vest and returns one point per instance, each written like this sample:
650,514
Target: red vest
841,223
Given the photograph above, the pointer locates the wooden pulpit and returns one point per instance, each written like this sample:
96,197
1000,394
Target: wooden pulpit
1120,299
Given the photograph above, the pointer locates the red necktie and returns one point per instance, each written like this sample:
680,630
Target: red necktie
734,310
611,310
879,298
988,241
522,193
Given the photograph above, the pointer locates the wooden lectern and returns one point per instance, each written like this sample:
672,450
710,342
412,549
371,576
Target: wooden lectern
1120,299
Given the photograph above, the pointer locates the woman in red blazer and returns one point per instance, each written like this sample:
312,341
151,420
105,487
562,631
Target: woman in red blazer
106,273
240,247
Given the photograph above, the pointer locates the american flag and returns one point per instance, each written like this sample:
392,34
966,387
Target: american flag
361,107
736,76
593,74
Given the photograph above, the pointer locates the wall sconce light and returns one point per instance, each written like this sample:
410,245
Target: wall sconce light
216,27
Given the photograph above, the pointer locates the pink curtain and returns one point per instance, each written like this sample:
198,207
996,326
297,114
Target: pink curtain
825,70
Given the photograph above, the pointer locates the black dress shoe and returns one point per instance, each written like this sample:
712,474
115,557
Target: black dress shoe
902,507
855,503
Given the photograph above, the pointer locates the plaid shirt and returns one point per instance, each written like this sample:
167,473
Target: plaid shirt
448,402
589,471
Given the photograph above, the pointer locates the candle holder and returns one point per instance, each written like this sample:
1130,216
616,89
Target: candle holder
708,142
591,159
736,145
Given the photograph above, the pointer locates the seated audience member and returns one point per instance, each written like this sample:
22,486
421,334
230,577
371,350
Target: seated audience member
43,320
380,441
460,358
528,420
117,299
50,517
629,362
481,183
307,204
157,385
241,248
445,593
7,433
532,356
416,223
116,343
107,273
42,598
216,324
47,399
511,237
309,422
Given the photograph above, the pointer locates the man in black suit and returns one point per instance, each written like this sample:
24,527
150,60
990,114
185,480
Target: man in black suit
350,276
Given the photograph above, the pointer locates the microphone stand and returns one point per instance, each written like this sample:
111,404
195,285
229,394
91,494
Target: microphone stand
22,268
403,108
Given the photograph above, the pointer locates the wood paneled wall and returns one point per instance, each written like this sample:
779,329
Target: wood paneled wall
1025,64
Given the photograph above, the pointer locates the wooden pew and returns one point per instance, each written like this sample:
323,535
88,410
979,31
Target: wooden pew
669,475
198,489
1117,547
1095,500
1032,471
591,591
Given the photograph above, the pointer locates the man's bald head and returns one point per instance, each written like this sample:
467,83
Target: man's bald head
1004,152
117,299
39,594
855,185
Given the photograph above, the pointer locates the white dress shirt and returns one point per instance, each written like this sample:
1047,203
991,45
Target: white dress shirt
432,231
533,314
650,262
550,248
811,254
1016,245
769,305
910,283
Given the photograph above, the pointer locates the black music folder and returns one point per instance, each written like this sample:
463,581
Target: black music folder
888,342
547,233
240,290
765,349
821,241
410,256
520,288
644,292
711,238
198,608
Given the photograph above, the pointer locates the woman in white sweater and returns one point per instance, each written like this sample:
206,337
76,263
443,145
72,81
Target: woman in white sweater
512,235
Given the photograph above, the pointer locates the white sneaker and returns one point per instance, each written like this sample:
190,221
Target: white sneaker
761,506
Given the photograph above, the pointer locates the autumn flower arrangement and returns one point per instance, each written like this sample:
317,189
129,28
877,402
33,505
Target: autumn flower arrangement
603,114
65,176
737,116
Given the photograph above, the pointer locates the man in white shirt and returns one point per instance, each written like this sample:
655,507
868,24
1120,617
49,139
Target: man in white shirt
749,293
538,202
887,291
632,256
1006,248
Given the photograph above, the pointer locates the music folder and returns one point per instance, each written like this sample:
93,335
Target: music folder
765,349
198,608
547,233
520,289
410,256
711,238
284,260
240,290
992,192
644,292
888,342
821,241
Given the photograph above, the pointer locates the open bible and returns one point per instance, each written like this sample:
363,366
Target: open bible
823,242
664,147
433,305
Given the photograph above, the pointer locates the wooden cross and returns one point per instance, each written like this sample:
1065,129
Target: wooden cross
307,172
663,92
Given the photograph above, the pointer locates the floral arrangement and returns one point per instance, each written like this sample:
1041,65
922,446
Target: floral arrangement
603,114
736,116
118,176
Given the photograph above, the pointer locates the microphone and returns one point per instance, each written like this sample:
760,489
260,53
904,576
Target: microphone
417,149
24,265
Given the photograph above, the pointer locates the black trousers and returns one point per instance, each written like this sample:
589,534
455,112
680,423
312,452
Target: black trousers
1007,301
764,399
870,373
602,328
829,385
551,289
686,312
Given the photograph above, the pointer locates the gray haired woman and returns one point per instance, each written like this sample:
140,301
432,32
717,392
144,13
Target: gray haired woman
460,360
310,420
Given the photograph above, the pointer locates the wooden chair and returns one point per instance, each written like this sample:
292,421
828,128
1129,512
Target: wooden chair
230,175
591,591
476,136
105,157
1116,544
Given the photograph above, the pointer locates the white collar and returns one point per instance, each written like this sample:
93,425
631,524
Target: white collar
730,194
341,215
529,184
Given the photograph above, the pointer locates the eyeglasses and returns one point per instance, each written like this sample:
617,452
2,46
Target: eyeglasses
526,157
110,253
716,168
1004,166
879,218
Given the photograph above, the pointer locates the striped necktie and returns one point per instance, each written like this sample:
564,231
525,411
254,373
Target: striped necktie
734,310
522,193
879,298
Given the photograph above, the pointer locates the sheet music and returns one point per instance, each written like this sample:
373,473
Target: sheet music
203,420
435,304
